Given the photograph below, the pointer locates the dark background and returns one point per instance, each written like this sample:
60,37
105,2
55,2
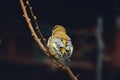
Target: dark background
20,56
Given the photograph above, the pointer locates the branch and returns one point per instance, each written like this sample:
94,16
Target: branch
43,47
31,28
36,23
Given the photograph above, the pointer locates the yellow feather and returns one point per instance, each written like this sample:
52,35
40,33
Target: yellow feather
64,42
63,50
60,32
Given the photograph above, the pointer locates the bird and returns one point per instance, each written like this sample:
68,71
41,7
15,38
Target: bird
59,44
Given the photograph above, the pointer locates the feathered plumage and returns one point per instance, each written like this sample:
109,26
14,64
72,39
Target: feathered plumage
60,44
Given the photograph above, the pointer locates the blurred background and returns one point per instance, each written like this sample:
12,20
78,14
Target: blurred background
93,25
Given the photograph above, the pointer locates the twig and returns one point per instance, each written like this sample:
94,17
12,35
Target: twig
31,28
43,47
35,20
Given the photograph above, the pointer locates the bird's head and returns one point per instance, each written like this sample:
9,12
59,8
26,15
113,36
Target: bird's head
58,28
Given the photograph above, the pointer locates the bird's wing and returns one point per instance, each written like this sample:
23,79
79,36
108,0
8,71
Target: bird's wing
58,42
69,46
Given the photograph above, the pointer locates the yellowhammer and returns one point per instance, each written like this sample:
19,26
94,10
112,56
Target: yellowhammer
60,44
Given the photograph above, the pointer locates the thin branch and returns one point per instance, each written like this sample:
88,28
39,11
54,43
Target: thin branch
45,50
36,23
31,28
